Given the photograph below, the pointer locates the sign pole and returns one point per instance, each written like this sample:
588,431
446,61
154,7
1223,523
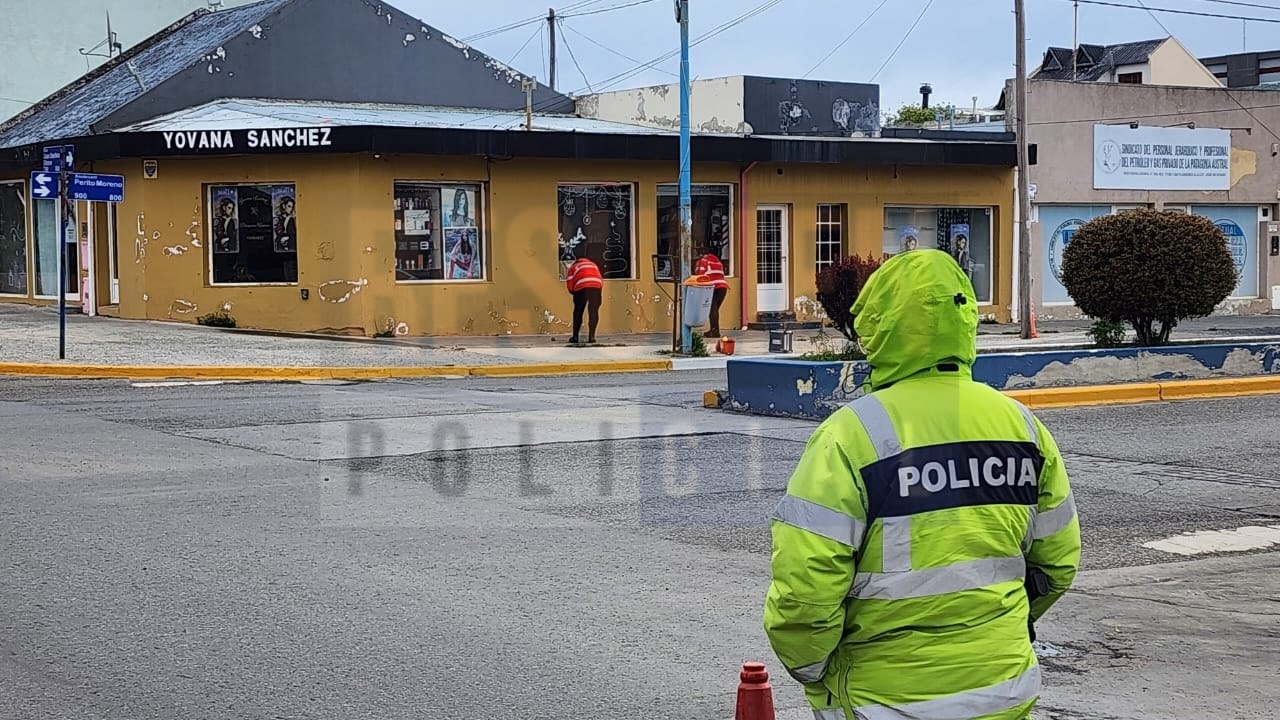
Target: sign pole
686,210
1024,205
64,208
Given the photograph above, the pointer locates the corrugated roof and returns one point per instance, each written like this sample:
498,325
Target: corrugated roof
251,114
1105,59
72,110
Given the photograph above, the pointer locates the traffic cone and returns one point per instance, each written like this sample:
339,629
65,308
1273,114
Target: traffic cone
755,694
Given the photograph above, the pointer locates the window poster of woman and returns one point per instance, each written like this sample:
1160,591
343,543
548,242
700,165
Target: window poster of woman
461,208
226,221
285,227
461,250
960,248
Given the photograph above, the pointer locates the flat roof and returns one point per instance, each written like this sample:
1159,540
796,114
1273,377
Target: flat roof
255,114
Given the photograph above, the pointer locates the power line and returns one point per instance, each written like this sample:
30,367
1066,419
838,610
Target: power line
1244,4
575,60
625,75
1154,17
1178,12
516,25
904,39
608,9
847,38
606,48
536,33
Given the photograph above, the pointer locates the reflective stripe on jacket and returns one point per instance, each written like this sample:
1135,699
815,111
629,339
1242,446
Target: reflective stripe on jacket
902,542
710,266
583,274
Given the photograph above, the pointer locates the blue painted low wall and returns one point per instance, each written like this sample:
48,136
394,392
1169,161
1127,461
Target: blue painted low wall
800,388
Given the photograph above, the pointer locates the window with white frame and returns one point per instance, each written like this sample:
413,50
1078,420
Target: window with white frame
963,232
253,234
829,237
597,222
439,231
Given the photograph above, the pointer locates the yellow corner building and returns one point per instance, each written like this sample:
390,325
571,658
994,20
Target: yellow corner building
379,200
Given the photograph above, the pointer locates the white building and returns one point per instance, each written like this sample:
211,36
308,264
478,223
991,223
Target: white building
50,43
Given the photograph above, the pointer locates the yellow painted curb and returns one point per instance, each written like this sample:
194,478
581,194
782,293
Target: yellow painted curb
576,368
213,372
1087,395
1219,387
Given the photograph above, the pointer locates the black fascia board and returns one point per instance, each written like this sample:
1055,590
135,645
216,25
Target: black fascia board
543,144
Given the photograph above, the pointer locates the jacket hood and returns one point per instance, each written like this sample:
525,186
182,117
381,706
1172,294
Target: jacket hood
916,311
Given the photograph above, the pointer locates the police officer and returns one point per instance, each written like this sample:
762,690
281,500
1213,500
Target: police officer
914,517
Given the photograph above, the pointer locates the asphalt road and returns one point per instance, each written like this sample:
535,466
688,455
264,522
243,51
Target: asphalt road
598,548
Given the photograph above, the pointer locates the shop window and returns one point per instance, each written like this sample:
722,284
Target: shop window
829,240
964,233
253,234
712,213
45,227
596,222
439,231
1239,223
13,239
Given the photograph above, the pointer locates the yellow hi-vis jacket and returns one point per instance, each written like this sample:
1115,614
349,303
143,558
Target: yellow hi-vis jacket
901,545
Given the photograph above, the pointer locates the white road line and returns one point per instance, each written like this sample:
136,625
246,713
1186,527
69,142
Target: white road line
179,383
1250,537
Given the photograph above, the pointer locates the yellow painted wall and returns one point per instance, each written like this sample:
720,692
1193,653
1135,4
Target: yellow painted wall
867,191
346,240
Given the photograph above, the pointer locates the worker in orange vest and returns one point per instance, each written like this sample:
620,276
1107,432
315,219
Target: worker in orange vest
586,284
711,266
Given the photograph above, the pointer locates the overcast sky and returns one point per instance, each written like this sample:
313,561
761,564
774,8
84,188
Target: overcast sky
962,47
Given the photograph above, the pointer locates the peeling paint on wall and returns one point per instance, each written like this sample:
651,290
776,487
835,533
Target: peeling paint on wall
408,38
500,319
140,242
213,58
466,50
182,307
805,387
328,291
256,32
324,251
174,250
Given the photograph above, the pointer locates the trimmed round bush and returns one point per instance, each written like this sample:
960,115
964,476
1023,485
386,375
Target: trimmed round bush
1150,269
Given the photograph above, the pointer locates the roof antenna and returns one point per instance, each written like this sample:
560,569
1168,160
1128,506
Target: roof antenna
112,42
215,5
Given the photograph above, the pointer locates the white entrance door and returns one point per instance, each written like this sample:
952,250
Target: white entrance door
773,245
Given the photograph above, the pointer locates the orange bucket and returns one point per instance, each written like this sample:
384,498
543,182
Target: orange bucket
725,346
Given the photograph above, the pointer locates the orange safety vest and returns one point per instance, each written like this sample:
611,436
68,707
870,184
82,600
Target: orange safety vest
711,266
583,274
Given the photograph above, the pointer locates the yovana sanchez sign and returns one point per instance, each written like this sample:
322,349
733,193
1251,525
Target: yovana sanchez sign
1160,158
292,138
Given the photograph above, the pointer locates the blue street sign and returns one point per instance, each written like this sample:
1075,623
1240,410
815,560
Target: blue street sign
44,185
53,158
96,188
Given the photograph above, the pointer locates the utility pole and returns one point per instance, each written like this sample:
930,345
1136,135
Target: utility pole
1024,210
1075,41
551,29
686,209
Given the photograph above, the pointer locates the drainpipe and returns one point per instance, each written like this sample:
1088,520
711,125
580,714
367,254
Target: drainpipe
742,243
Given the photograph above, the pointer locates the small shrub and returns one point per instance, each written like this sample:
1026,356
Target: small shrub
838,286
1107,333
217,318
697,346
828,349
1146,268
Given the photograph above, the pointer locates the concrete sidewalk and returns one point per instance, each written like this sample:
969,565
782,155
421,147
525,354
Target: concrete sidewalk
29,335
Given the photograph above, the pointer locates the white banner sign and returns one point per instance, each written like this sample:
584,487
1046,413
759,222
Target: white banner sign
1159,158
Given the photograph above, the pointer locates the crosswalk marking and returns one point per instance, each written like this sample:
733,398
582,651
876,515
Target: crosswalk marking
1249,537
